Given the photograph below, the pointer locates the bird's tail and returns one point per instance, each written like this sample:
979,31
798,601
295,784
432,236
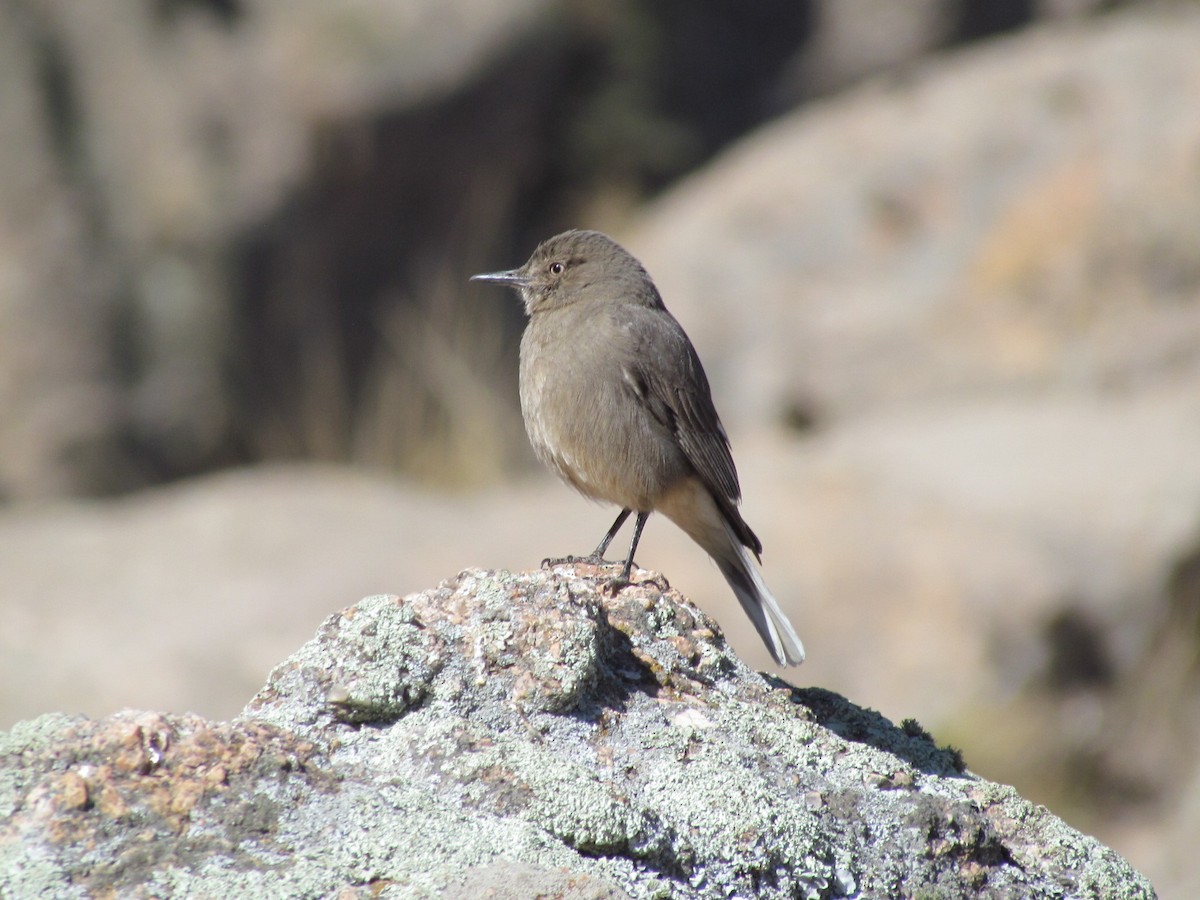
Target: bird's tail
690,506
770,622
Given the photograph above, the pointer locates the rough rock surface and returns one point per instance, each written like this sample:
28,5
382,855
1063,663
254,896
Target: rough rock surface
523,733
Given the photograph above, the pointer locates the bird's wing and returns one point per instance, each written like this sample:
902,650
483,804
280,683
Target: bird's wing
662,368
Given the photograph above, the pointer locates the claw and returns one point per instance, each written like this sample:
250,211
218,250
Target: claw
566,560
614,586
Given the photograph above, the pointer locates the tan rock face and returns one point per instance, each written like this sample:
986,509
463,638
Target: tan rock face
1010,217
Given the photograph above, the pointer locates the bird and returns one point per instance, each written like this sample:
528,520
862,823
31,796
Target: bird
616,403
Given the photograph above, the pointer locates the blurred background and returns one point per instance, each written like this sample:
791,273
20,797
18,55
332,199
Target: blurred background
941,259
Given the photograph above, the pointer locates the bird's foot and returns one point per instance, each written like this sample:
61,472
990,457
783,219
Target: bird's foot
614,586
659,581
592,559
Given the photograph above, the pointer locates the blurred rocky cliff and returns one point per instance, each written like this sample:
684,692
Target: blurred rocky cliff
236,230
947,291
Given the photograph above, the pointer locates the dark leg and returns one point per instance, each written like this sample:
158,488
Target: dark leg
638,525
597,555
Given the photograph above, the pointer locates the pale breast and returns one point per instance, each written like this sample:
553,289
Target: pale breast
587,425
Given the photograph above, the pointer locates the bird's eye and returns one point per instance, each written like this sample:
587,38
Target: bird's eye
556,268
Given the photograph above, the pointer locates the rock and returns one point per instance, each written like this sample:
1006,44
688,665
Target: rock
523,733
1005,221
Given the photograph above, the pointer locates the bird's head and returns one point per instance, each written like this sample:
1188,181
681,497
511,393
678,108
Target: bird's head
574,267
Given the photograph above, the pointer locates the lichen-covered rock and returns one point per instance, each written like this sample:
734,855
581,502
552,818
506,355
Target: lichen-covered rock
524,734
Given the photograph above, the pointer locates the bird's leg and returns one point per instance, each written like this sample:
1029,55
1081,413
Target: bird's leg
602,547
622,580
597,556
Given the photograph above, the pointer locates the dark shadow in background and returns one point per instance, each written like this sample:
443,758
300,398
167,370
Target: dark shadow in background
357,334
353,335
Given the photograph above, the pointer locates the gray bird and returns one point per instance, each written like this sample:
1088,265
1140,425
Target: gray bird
616,402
